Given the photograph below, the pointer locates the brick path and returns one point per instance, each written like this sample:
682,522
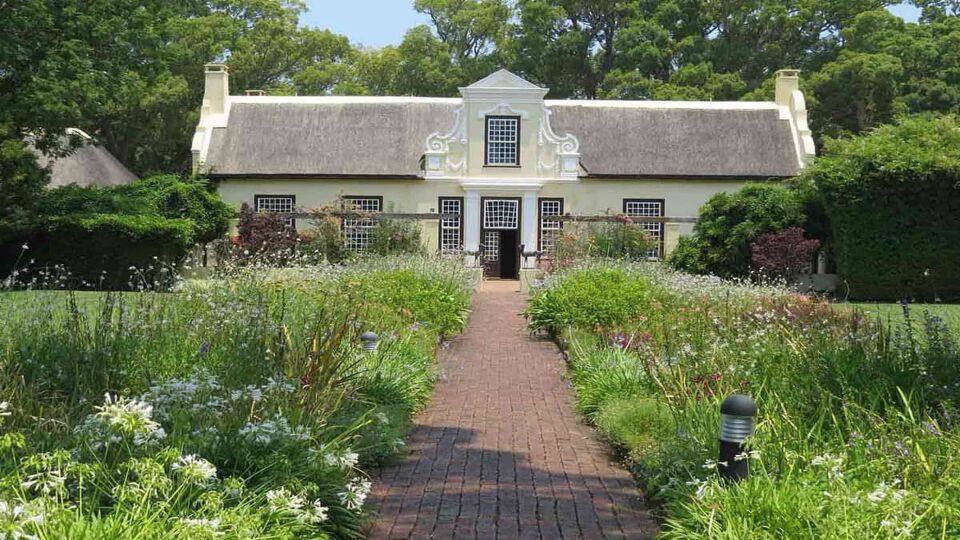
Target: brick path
500,452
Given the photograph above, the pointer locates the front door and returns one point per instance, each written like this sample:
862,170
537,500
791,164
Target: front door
500,237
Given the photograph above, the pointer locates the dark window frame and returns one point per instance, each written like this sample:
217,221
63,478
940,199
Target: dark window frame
343,220
440,221
258,196
663,212
486,140
540,202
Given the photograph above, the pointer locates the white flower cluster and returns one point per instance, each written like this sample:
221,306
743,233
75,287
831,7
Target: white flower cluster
832,464
355,494
273,430
120,419
195,470
45,482
194,392
883,491
208,525
345,459
295,506
19,521
275,386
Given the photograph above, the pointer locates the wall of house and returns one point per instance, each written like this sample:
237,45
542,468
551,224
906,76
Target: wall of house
682,198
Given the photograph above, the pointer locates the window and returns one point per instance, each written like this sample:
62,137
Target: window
451,229
282,204
550,230
357,231
503,141
501,213
640,208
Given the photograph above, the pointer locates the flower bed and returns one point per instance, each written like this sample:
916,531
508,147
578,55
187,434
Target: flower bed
857,433
242,407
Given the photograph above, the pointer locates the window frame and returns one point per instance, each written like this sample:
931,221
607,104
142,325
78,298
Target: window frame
292,222
343,220
440,201
486,140
639,219
540,202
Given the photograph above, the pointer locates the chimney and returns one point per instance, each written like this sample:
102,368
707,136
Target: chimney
788,82
256,93
216,88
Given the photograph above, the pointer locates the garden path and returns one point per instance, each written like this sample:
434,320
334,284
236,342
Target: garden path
500,452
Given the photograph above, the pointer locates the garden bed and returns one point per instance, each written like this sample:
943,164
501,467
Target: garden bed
856,435
242,407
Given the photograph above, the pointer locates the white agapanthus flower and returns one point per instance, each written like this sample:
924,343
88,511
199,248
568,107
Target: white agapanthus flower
346,459
4,408
210,525
45,482
281,500
19,521
194,469
355,494
120,418
320,512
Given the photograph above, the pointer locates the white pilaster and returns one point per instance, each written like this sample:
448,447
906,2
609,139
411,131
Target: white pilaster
528,230
471,225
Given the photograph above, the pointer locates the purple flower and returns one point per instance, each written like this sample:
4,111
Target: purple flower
204,348
901,449
931,428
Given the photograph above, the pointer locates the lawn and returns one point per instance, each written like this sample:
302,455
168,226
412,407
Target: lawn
856,435
894,313
239,407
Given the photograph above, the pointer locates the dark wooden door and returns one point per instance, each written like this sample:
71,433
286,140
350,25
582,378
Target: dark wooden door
509,255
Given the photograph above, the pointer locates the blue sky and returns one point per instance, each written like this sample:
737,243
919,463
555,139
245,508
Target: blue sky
376,23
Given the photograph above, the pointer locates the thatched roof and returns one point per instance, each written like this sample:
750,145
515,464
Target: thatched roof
660,140
386,137
89,164
363,137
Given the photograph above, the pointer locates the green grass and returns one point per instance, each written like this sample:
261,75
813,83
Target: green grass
893,313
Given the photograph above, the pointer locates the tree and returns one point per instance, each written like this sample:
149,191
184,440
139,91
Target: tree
892,197
730,222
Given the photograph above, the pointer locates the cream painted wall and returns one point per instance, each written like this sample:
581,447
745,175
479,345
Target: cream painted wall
682,198
407,196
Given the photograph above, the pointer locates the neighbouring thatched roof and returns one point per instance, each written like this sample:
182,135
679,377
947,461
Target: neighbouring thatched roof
380,137
89,164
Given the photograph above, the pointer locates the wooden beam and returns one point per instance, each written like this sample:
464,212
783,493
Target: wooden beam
620,219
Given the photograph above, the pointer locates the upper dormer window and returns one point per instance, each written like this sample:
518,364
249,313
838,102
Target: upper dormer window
503,140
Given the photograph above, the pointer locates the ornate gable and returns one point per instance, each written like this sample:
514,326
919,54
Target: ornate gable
459,152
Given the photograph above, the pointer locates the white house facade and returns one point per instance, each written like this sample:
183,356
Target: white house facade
501,158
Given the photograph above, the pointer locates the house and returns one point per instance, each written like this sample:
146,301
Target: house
501,157
87,165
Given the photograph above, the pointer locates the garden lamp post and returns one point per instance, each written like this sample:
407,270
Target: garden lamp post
738,418
370,341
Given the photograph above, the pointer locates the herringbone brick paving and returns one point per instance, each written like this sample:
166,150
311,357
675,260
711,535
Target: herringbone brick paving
500,452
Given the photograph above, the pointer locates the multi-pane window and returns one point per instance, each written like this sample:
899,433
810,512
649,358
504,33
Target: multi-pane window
491,246
550,230
451,228
358,230
503,138
501,213
641,208
284,204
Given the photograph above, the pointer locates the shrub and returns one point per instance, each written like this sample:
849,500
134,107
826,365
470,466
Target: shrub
394,236
597,297
613,240
112,251
893,200
783,253
264,234
730,222
324,241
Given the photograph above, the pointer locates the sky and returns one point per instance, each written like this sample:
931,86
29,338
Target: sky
375,23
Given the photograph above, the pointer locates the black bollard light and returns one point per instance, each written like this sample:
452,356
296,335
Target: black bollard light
370,341
738,418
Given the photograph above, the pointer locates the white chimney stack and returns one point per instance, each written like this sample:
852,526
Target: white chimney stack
788,82
216,88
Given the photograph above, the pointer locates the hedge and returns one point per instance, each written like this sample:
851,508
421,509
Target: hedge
101,249
893,202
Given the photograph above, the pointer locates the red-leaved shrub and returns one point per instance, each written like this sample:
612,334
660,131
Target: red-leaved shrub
783,253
